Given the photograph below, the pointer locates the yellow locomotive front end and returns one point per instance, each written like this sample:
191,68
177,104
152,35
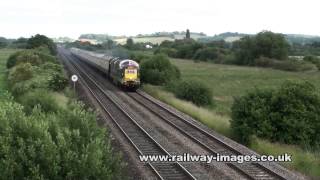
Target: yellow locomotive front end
131,75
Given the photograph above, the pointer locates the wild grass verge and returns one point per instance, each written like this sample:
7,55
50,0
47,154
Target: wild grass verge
304,161
211,119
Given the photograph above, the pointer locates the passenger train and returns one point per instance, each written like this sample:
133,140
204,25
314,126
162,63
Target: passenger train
122,72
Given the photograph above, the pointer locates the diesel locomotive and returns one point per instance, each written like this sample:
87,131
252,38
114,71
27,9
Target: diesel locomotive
122,72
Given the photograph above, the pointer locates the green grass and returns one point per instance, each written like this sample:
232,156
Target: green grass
227,81
302,160
4,54
211,119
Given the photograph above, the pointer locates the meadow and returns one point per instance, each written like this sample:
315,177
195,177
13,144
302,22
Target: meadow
153,40
229,81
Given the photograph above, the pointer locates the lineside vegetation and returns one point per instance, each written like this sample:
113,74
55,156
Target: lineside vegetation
44,132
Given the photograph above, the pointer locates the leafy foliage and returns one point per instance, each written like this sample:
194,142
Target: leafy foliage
129,43
29,56
38,97
3,42
266,43
109,44
57,82
19,43
41,40
31,69
288,115
171,52
194,91
20,73
313,59
66,145
139,57
158,70
286,65
46,138
190,49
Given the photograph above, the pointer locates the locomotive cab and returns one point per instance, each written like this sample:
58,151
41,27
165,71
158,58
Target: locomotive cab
130,75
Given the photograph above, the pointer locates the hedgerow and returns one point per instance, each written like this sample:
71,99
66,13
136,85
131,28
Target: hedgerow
43,138
30,69
289,115
65,145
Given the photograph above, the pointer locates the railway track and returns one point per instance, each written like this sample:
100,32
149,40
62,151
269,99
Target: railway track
136,135
206,140
190,129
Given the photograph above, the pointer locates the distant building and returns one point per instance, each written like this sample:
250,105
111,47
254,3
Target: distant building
148,46
91,41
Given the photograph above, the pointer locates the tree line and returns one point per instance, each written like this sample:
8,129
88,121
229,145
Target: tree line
266,49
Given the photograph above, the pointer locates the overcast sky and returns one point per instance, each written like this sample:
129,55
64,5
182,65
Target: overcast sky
71,18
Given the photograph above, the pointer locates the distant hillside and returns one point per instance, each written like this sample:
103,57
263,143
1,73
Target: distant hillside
291,38
301,39
155,38
62,39
158,37
227,36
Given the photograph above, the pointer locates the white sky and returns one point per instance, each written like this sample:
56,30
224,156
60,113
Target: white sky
71,18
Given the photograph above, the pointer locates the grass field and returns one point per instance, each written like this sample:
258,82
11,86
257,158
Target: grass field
153,40
4,54
228,81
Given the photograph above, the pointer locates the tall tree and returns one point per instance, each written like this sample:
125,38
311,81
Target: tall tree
41,40
130,43
265,43
188,34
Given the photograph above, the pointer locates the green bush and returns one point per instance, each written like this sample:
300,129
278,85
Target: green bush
57,82
194,91
313,59
48,66
139,57
20,73
264,62
171,52
285,65
38,81
33,57
265,43
41,98
158,70
40,41
30,70
250,114
208,53
43,49
293,65
66,145
288,115
26,56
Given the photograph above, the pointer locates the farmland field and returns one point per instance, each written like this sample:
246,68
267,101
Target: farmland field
227,81
153,40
